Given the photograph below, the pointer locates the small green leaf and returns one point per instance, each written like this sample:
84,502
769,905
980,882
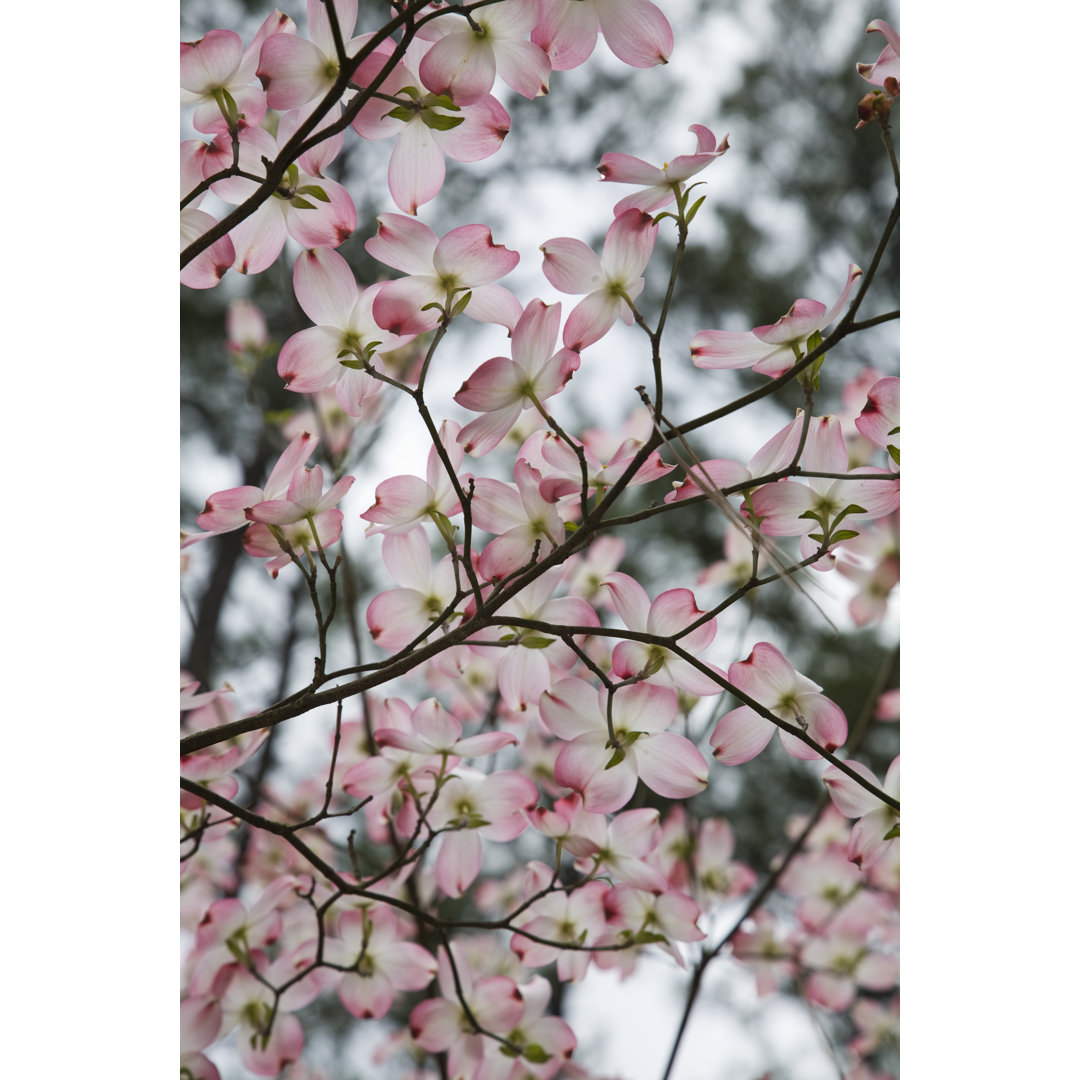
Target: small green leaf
460,304
443,524
536,642
694,209
315,192
663,214
571,526
656,662
842,535
441,101
536,1054
402,113
411,91
895,430
353,363
647,937
439,122
894,453
616,759
301,204
893,833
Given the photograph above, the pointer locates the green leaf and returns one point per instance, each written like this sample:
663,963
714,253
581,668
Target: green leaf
895,430
571,526
694,209
893,833
315,192
441,101
411,91
656,662
894,453
439,122
401,112
647,937
444,525
460,304
536,1054
354,364
301,204
536,642
616,759
841,535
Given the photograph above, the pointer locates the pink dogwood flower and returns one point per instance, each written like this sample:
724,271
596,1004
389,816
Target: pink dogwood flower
404,501
606,774
636,31
610,280
473,805
428,128
666,616
441,271
304,520
216,74
769,350
226,510
468,53
332,353
294,70
521,519
383,963
211,265
501,388
879,420
887,65
314,211
815,509
661,184
398,616
440,1024
767,677
875,831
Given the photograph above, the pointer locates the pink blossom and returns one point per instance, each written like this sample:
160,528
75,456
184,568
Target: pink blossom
770,350
879,420
437,732
314,211
669,614
293,70
468,53
303,521
878,824
606,774
346,337
502,387
563,473
822,505
663,183
636,31
472,806
767,677
226,510
524,523
611,280
209,266
382,963
576,918
216,73
398,616
426,126
440,1024
466,261
887,65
